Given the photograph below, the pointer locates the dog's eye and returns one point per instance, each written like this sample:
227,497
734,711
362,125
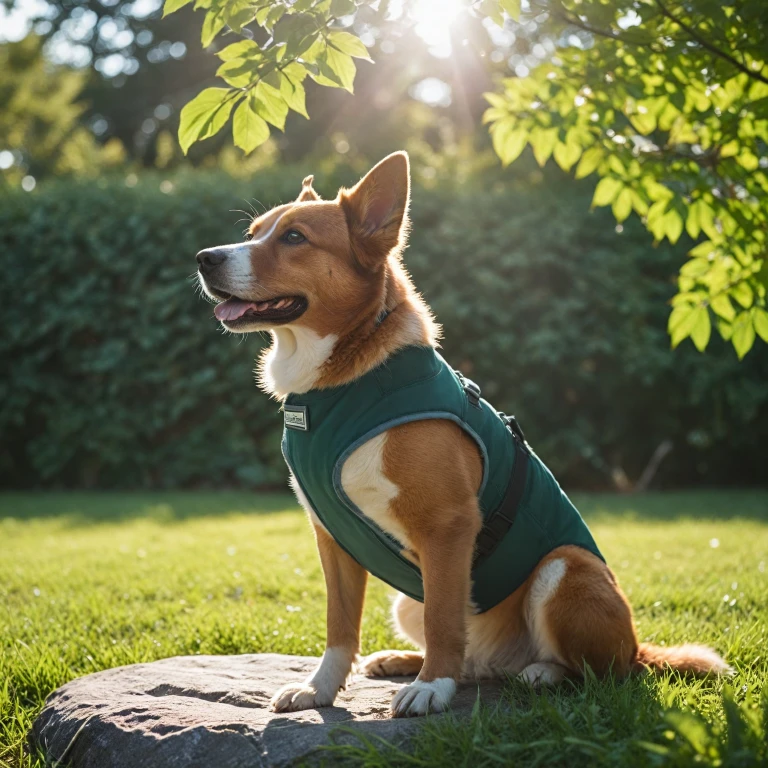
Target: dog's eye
294,237
248,236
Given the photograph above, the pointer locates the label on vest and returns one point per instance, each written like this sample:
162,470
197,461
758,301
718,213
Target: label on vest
296,417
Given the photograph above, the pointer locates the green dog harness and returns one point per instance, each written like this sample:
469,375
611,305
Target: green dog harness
525,513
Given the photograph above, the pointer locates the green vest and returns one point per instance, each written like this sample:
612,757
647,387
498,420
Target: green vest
324,426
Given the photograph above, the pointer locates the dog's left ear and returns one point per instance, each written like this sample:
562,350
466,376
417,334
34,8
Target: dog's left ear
377,210
307,192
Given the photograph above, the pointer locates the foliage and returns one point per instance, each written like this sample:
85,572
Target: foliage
122,378
668,105
93,581
39,120
138,68
266,81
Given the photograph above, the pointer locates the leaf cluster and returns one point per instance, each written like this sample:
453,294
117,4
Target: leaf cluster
265,81
668,106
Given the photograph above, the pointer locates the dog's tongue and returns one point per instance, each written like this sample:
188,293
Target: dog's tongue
232,309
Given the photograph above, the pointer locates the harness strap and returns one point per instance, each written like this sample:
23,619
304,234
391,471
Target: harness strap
498,524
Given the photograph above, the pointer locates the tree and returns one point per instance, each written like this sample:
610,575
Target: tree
40,130
666,103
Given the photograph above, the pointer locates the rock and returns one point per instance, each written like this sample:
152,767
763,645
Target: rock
212,712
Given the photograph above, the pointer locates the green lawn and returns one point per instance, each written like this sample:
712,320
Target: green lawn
90,581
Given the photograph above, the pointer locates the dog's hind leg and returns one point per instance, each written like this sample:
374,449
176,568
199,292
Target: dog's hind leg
408,617
577,615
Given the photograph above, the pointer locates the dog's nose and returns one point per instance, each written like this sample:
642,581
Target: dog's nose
209,259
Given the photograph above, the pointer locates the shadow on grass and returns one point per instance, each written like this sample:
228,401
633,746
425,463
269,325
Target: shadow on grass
87,508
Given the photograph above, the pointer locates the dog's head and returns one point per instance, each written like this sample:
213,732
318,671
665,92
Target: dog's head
312,262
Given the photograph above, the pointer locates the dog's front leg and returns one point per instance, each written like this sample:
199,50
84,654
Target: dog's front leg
345,583
446,561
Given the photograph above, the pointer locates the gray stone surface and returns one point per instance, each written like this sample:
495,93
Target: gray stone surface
211,712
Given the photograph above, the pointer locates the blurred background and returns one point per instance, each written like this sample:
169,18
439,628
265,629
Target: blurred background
115,374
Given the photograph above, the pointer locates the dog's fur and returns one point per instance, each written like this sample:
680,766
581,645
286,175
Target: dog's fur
418,481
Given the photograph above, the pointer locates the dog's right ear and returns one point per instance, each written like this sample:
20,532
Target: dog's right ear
307,192
377,210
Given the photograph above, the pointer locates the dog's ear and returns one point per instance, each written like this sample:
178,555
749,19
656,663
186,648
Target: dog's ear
307,192
377,210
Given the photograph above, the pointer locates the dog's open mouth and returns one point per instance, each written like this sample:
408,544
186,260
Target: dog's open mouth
234,311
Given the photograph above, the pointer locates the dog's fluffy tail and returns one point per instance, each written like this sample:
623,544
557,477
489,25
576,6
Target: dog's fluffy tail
689,658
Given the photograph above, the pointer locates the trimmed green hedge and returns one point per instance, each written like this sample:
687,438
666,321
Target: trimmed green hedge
115,373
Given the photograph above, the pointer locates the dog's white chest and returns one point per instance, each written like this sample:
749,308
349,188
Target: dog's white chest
370,490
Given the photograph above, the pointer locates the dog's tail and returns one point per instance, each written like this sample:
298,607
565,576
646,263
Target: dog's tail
689,659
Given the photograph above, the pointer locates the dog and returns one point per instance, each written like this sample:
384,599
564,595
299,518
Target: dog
326,278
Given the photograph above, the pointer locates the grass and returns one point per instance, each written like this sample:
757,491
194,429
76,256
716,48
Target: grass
91,581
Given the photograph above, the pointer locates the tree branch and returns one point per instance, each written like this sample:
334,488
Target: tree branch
709,46
577,22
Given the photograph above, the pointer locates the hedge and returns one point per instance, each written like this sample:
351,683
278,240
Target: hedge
116,375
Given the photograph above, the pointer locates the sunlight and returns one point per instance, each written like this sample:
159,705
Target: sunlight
433,20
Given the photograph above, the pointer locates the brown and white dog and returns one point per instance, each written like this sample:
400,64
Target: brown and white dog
318,275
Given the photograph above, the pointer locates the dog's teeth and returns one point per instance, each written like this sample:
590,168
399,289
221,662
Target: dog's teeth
280,303
262,306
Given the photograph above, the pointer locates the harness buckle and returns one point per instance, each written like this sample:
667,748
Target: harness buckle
471,389
514,427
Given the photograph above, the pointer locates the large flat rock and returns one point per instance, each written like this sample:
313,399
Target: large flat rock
212,712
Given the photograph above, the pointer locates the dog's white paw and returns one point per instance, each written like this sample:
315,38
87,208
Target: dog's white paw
542,673
292,698
420,698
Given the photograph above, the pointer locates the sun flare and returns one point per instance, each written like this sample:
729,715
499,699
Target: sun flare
433,20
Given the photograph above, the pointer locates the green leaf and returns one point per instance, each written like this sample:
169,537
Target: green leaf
349,44
239,19
607,190
681,322
270,104
249,130
673,225
342,7
492,9
702,328
591,158
336,69
237,73
761,323
622,205
721,306
512,8
275,14
171,6
743,336
566,154
644,123
692,224
542,142
293,93
508,141
204,116
212,25
240,50
705,249
743,293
